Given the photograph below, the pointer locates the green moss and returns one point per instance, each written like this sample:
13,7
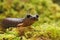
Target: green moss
47,27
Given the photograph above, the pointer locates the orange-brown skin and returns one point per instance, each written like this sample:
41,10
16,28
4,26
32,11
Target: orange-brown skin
26,23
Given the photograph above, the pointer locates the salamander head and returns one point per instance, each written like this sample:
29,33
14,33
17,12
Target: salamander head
32,17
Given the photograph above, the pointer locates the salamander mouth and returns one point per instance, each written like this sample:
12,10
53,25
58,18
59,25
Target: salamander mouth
35,19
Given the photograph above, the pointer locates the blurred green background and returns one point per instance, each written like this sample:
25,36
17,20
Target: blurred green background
46,28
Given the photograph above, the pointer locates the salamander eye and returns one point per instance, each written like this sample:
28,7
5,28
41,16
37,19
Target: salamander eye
28,16
37,16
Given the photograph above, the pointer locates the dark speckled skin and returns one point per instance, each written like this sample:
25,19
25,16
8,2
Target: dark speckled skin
11,22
